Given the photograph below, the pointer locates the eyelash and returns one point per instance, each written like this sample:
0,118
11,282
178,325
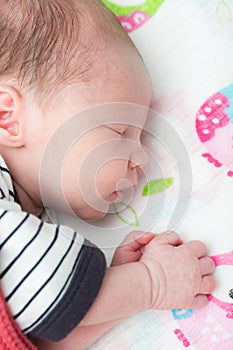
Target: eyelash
118,132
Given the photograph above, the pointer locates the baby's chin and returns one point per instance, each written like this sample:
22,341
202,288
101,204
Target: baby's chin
91,214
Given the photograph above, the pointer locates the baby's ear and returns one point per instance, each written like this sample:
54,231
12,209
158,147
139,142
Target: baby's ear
10,117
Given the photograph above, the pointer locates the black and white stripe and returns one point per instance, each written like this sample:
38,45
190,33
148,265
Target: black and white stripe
35,260
38,264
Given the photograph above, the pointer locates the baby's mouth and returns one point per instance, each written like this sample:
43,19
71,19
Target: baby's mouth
116,196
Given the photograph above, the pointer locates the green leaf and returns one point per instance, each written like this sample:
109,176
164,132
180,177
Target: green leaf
134,223
149,6
157,186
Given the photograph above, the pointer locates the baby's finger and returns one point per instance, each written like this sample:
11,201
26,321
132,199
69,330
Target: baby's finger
207,285
135,239
146,238
132,237
198,248
171,238
199,301
207,266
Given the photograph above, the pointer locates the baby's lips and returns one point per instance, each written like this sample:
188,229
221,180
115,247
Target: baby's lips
119,196
115,197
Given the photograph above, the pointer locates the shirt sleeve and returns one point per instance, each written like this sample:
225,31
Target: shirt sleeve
50,274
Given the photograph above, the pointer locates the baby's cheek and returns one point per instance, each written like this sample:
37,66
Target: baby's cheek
111,173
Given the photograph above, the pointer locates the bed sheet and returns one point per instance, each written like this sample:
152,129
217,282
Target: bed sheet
187,46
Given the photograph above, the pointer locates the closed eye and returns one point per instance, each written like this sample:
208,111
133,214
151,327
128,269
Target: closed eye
120,130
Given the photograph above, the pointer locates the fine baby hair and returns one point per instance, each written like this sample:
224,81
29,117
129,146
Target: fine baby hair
48,43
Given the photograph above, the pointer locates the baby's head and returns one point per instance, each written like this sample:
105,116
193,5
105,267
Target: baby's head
57,59
52,43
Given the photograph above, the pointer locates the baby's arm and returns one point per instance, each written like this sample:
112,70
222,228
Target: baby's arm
168,275
130,250
122,293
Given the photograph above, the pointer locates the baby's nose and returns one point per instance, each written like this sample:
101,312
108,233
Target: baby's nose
138,159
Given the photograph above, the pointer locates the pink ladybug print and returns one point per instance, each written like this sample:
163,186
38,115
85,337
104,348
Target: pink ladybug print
214,125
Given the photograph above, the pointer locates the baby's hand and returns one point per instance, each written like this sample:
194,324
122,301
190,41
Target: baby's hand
132,247
180,273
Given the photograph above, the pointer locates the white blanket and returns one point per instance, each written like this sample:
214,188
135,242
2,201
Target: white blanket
187,46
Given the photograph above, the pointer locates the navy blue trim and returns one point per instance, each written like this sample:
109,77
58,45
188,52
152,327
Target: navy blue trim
78,298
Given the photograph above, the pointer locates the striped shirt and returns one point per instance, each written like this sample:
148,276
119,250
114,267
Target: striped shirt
50,275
